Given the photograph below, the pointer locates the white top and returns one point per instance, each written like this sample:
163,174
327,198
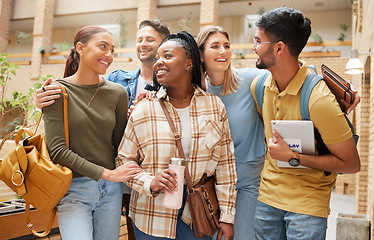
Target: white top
141,84
184,115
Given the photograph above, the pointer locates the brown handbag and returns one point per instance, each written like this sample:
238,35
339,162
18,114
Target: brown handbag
201,198
29,171
204,208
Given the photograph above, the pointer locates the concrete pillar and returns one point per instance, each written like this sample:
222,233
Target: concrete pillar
5,14
43,26
146,10
352,227
208,12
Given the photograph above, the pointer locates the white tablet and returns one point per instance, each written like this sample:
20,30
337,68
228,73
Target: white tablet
298,134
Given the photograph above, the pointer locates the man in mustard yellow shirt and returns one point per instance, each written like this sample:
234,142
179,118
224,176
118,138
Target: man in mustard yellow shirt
294,202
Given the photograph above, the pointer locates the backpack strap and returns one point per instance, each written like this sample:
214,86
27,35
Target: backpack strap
259,89
311,80
312,67
355,136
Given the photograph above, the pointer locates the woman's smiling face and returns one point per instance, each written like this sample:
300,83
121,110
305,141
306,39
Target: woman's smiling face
172,64
217,53
97,53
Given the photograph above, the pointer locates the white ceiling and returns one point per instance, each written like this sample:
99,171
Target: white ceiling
226,8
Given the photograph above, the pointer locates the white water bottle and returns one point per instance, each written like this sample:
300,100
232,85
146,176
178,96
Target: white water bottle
174,200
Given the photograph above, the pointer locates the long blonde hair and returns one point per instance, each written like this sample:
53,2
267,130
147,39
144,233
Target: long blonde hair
231,80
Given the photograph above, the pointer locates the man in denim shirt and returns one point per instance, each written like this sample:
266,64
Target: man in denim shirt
150,35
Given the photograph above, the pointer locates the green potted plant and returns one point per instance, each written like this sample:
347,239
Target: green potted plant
19,104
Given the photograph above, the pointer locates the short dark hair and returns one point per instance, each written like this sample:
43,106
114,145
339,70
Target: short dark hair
287,25
159,26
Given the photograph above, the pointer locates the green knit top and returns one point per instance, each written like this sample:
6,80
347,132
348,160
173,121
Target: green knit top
95,131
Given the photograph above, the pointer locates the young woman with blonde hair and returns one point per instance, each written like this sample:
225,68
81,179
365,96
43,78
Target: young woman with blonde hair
247,130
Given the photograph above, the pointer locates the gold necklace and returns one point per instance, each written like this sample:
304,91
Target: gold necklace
89,102
183,99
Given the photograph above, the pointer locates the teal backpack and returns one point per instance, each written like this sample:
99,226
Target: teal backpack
311,80
306,90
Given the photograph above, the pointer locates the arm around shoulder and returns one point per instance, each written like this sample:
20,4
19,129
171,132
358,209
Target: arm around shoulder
47,94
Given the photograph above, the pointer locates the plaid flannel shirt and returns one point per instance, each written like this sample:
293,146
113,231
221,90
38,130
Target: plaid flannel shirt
149,142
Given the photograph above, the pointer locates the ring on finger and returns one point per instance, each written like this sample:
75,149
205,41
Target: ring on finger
43,89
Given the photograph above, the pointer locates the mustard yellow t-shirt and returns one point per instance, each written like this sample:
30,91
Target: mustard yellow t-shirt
304,191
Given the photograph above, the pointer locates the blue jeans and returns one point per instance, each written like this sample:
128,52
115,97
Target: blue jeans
90,210
275,224
249,178
184,232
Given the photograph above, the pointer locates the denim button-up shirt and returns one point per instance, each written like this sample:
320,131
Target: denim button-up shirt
127,79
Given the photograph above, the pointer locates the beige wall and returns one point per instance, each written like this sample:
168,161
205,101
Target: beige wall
26,8
85,12
327,23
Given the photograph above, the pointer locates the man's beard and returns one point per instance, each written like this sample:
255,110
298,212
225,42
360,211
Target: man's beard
266,60
260,65
149,58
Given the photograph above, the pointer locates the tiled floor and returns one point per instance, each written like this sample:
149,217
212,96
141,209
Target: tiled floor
123,229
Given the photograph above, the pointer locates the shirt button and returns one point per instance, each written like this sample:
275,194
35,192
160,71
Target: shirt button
279,97
277,109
